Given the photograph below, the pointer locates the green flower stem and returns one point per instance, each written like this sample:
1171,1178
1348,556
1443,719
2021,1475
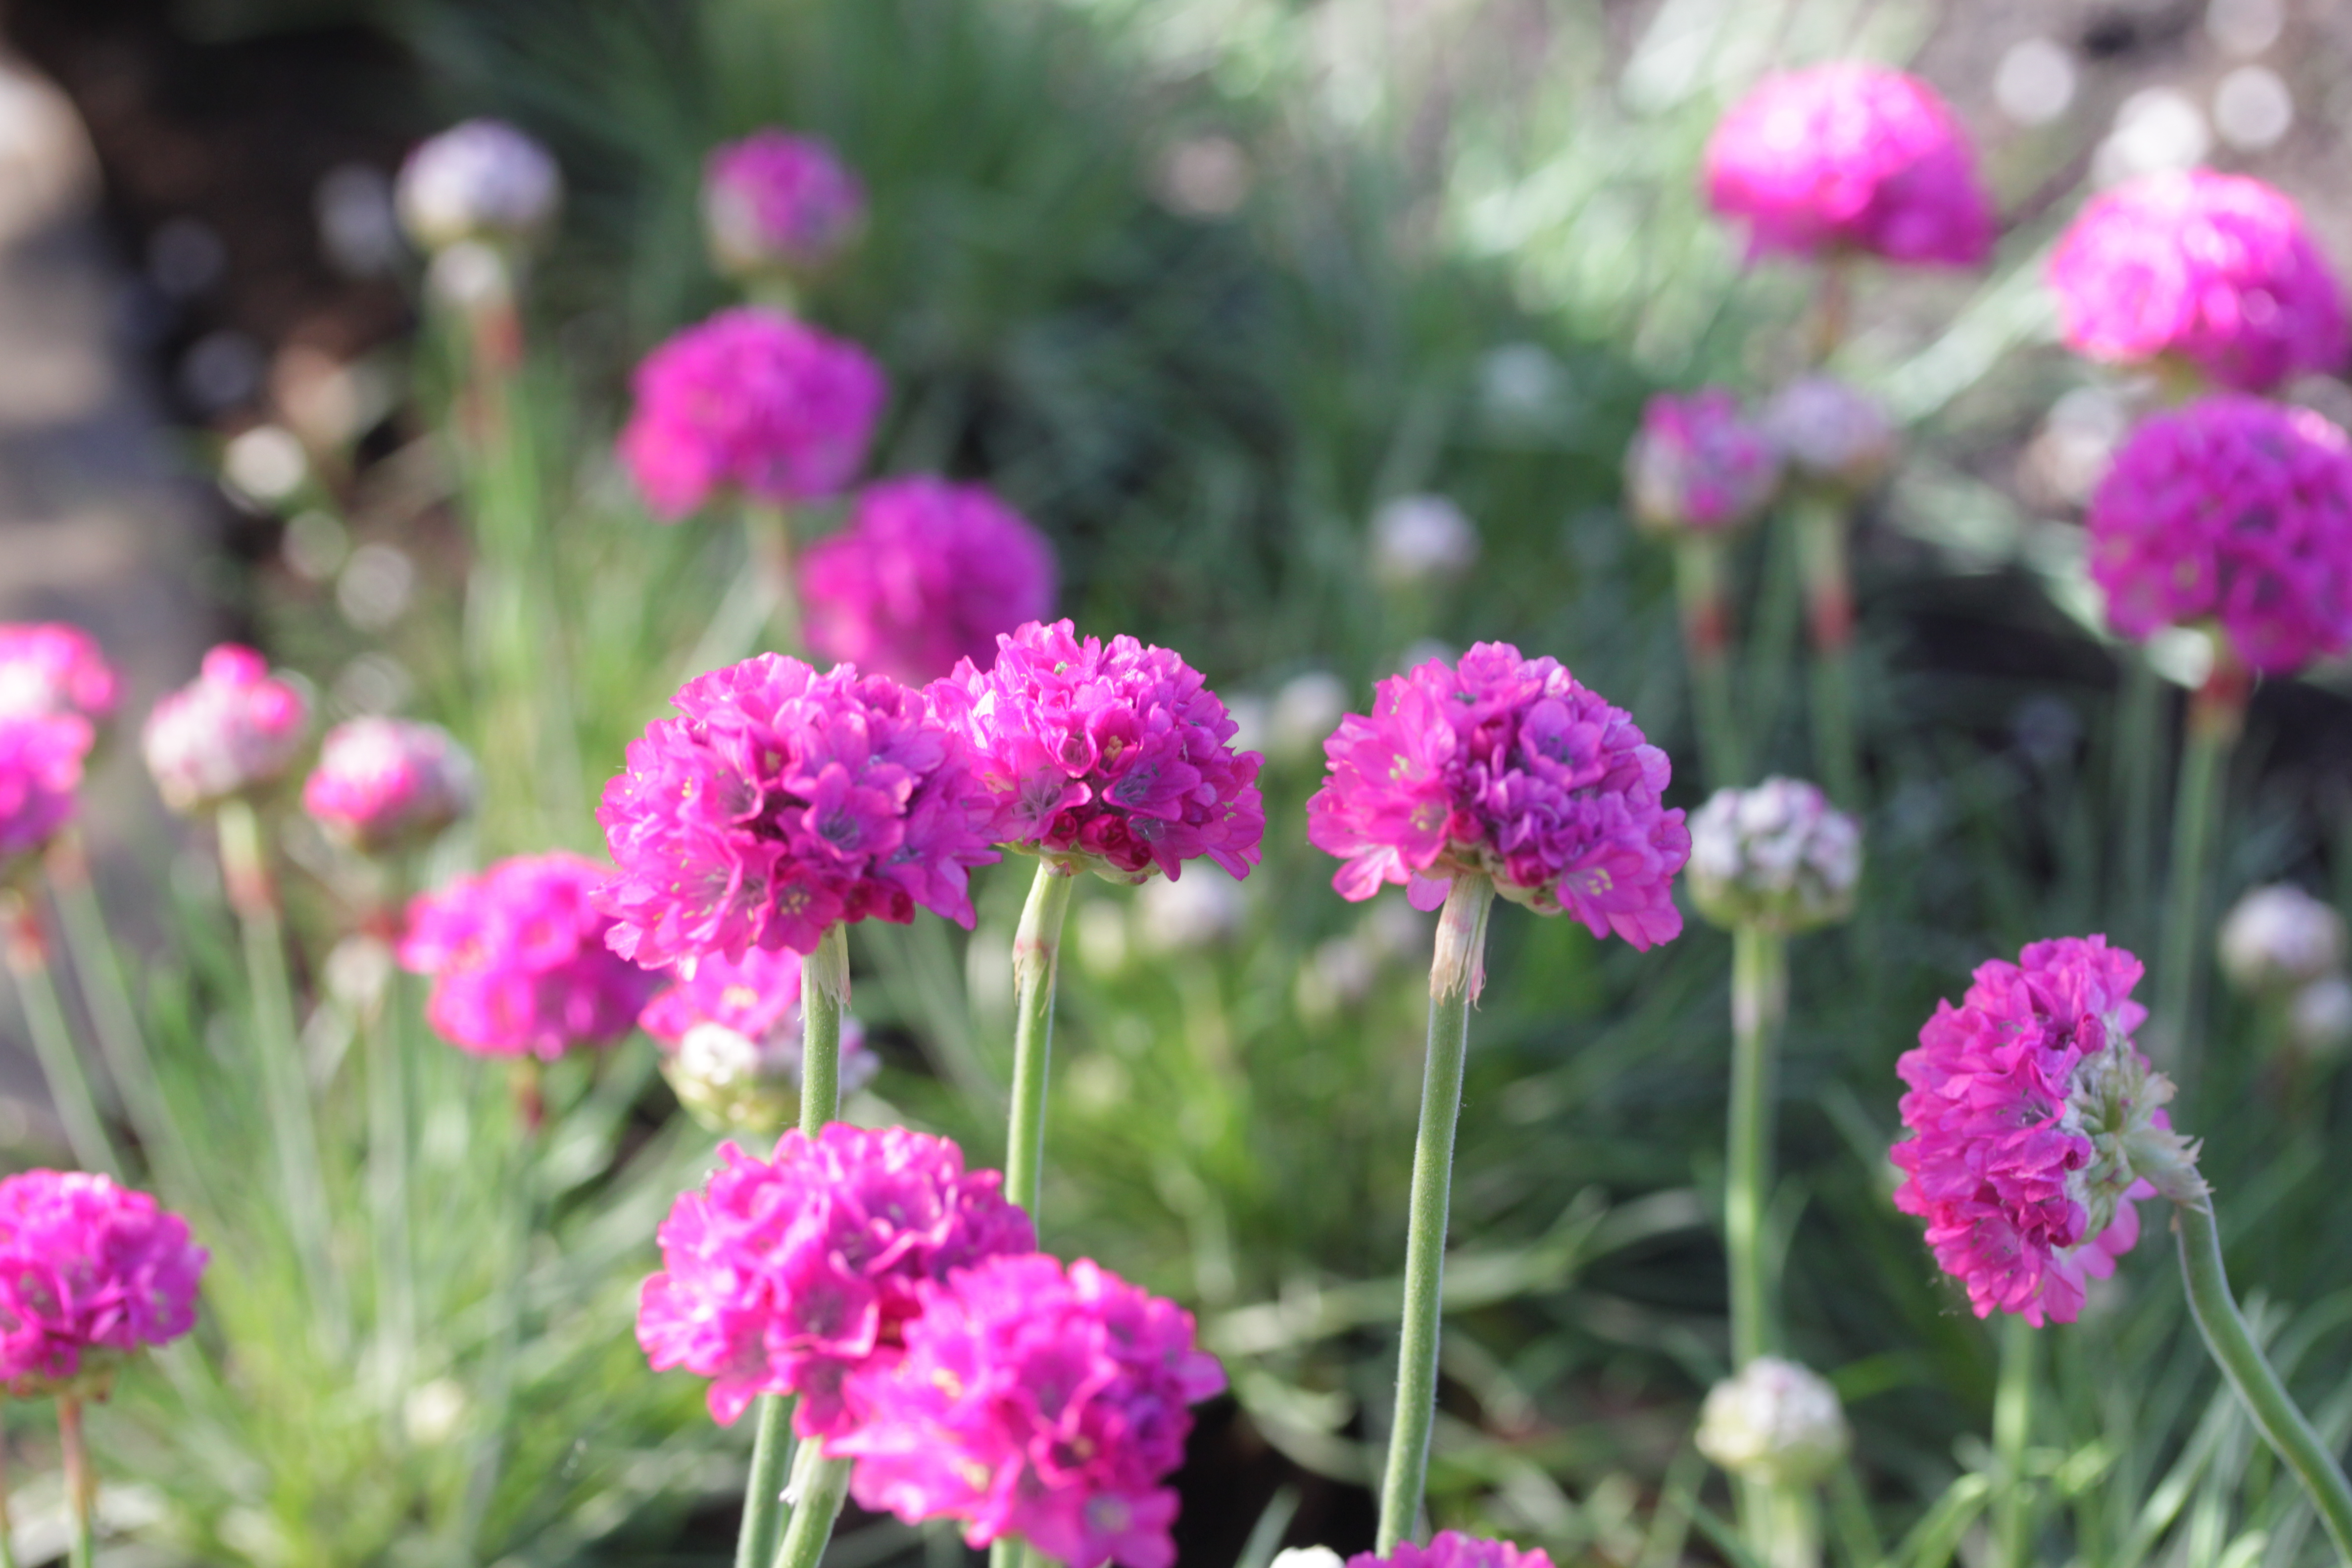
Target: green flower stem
763,1491
767,543
2215,716
1823,529
825,995
7,1521
2013,1425
1456,973
823,1485
45,1020
81,1484
2139,717
2249,1373
1036,960
384,1035
1759,1003
82,929
1707,644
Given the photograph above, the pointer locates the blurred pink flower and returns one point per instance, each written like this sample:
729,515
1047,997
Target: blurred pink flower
1114,757
1504,765
2236,511
1038,1402
1699,463
777,202
782,802
1449,1549
791,1276
233,730
2216,269
49,668
383,782
91,1273
926,574
518,960
1850,156
40,769
754,401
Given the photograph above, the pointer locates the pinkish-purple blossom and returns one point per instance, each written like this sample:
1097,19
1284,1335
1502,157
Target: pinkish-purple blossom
754,401
1506,766
1449,1549
1113,757
1850,156
793,1275
46,667
778,202
233,729
1035,1402
383,782
926,574
91,1272
40,768
1699,463
2232,511
782,802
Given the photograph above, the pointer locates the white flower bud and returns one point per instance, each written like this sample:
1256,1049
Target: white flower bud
732,1083
1307,1557
1778,857
480,180
1420,539
1775,1423
1831,433
2279,937
2319,1019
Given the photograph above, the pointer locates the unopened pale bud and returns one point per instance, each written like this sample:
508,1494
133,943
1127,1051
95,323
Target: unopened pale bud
733,1084
2279,937
1422,538
2319,1018
1697,465
1778,857
480,180
1831,434
1775,1423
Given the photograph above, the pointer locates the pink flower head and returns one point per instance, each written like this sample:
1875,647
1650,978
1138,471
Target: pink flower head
89,1273
1850,156
1037,1402
233,729
2217,270
1114,757
2034,1124
40,769
48,667
1698,463
730,1029
926,574
381,783
2236,511
1449,1549
518,960
794,1274
1504,765
754,401
777,202
785,801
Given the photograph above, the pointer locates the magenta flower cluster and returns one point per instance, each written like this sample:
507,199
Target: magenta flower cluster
1113,757
1449,1549
1506,766
233,729
754,997
91,1272
790,1276
40,768
926,574
785,801
1039,1402
1699,463
754,402
2235,511
519,961
2017,1100
383,782
777,202
1850,156
47,668
2217,270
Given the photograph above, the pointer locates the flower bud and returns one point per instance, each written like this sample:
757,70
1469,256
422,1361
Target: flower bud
479,180
776,203
2278,938
1831,434
729,1033
1778,857
382,783
1422,538
233,729
1307,1557
1777,1424
1697,463
2319,1018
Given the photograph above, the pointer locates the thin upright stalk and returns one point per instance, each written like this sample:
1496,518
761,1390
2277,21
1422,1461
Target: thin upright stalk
763,1490
2215,716
2265,1399
89,947
7,1521
1823,529
1036,964
1759,1003
81,1483
824,1486
2012,1426
1456,972
1707,644
384,1032
2139,714
768,544
28,961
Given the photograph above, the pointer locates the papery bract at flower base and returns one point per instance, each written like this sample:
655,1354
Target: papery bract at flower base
2034,1124
2216,270
1504,765
47,668
784,802
383,782
750,400
40,768
1449,1549
790,1276
1850,156
729,1031
483,180
91,1272
519,960
1113,757
774,202
1698,464
927,574
2236,511
233,729
1035,1402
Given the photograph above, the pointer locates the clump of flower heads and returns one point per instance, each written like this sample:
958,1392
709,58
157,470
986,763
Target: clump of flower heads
795,1275
2278,938
1504,766
1450,1549
1698,465
481,180
382,783
519,960
40,770
750,402
1777,1423
2217,271
1037,1402
91,1274
1111,757
1776,856
235,729
729,1031
1850,156
2033,1125
778,203
1831,434
48,669
926,573
2236,511
782,802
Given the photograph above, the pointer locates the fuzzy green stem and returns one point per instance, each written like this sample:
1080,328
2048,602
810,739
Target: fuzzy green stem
2265,1399
823,1485
2013,1425
1823,527
1759,1002
1036,963
1707,644
28,960
81,1484
763,1491
2215,715
825,995
1454,978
